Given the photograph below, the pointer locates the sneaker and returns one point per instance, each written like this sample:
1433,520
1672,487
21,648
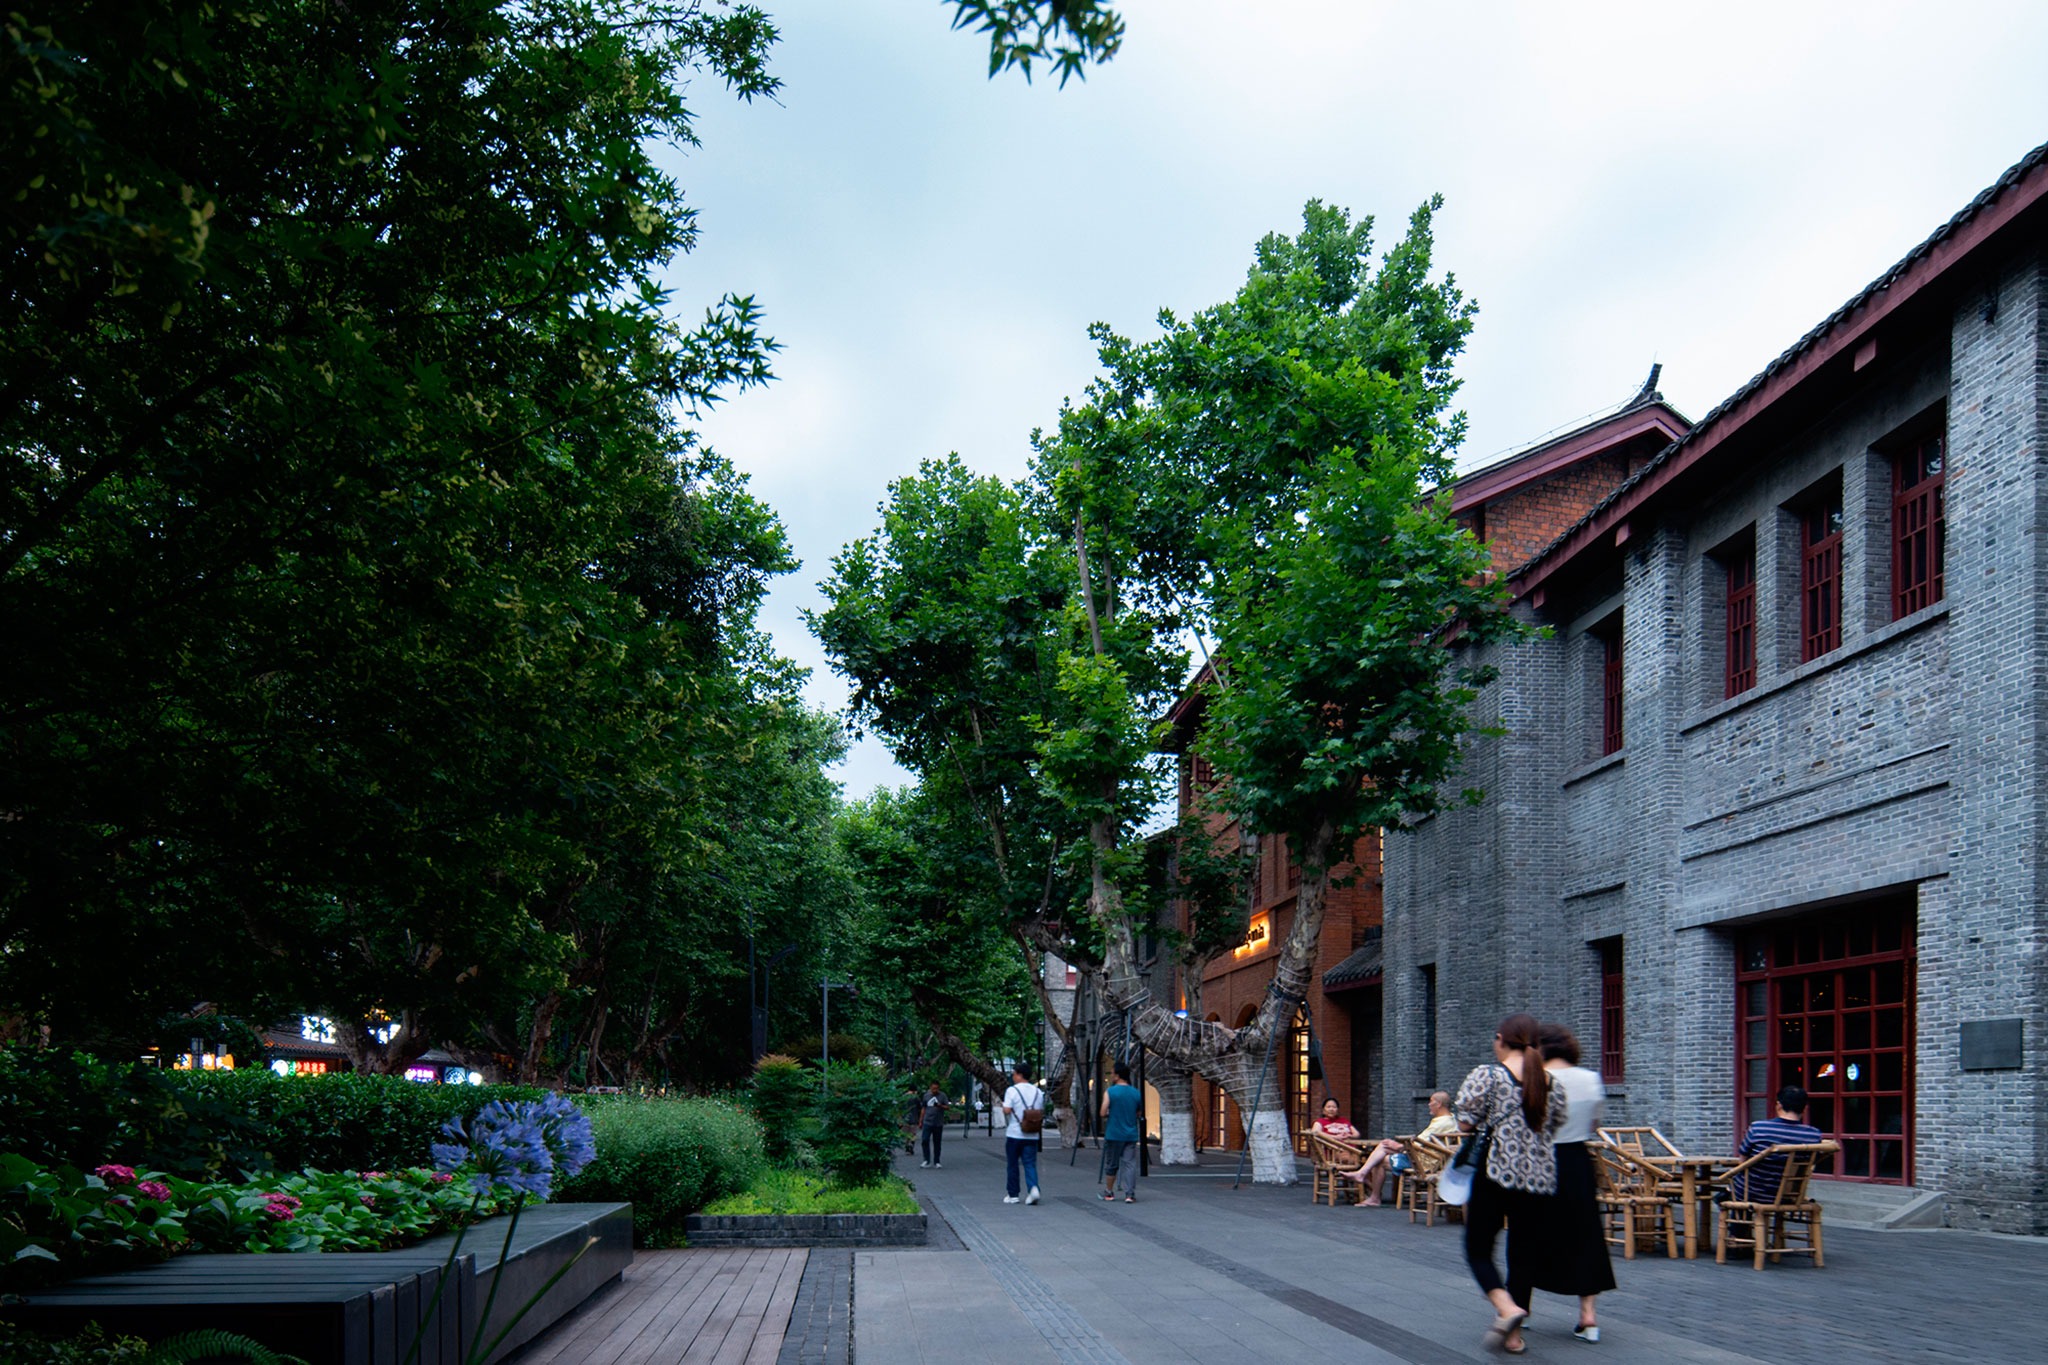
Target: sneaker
1107,1195
1010,1199
1587,1333
938,1165
924,1165
1032,1198
1130,1199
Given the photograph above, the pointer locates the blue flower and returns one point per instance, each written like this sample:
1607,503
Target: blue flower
518,1146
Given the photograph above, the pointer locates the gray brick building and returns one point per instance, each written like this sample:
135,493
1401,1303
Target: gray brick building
1770,803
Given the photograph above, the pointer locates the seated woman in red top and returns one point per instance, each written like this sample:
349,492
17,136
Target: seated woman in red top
1332,1124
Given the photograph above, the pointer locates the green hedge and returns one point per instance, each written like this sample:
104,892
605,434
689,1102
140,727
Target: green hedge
669,1157
70,1109
345,1122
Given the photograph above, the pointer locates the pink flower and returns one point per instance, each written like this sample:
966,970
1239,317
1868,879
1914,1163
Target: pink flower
442,1177
290,1201
115,1175
369,1200
373,1175
283,1213
155,1189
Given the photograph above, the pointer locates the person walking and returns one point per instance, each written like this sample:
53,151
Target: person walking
1121,1135
1580,1265
1515,1110
1020,1143
933,1127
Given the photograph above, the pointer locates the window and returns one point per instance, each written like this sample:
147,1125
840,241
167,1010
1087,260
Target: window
1918,479
1820,576
1739,565
1826,1002
1200,773
1429,1026
1298,1080
1611,1055
1610,689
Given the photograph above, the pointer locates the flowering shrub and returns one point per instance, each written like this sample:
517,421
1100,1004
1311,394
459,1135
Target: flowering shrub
56,1221
668,1158
518,1145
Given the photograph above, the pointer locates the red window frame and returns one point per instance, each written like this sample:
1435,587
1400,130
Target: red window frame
1612,1036
1820,578
1828,1003
1611,734
1740,674
1919,548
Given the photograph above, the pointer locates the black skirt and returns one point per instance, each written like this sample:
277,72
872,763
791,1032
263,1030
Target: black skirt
1576,1239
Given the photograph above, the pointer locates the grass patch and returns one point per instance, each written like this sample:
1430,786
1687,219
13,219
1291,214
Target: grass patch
795,1192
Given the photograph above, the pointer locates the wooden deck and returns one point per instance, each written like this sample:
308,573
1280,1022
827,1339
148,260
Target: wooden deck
701,1307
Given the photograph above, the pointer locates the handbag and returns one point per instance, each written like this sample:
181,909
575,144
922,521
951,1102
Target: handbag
1454,1182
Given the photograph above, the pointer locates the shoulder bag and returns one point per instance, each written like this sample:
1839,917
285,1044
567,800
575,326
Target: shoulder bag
1032,1120
1454,1182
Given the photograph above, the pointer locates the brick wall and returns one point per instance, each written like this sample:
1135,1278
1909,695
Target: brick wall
1904,765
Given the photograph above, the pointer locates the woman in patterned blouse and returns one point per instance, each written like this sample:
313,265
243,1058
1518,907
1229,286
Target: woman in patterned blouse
1511,1098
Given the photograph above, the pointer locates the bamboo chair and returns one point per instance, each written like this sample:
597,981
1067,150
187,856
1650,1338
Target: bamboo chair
1328,1157
1632,1204
1772,1225
1647,1145
1418,1190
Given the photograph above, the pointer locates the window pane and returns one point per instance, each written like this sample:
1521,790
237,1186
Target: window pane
1891,1160
1756,1110
1753,1039
1756,1077
1856,1158
1890,984
1756,953
1791,1035
1856,1073
1891,1028
1856,988
1821,1114
1792,995
1757,998
1891,1071
1820,992
1820,1034
1856,1115
1856,1030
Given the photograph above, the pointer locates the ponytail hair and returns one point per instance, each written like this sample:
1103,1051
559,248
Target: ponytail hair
1523,1034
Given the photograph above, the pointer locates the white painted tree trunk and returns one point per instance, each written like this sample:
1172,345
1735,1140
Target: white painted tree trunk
1272,1149
1176,1089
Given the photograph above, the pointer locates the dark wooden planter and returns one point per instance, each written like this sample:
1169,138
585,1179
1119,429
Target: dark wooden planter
806,1230
358,1308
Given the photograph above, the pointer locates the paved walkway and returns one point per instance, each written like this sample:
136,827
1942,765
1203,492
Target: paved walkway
1197,1272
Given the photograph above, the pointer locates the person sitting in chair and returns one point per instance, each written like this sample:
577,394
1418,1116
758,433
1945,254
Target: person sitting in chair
1760,1182
1333,1123
1443,1126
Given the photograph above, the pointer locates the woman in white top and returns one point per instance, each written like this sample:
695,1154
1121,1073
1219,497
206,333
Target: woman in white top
1579,1264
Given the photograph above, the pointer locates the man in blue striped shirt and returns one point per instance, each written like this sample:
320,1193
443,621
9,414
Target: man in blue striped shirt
1790,1126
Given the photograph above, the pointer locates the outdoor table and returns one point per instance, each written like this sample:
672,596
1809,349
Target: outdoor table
1695,1179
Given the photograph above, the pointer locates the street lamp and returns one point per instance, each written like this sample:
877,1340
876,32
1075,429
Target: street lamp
826,985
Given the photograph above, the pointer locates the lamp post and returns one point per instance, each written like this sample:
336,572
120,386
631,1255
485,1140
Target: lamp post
826,985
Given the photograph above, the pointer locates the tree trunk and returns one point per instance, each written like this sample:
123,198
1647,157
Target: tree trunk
1176,1087
1231,1058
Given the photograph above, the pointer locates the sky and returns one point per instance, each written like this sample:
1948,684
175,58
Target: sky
1691,184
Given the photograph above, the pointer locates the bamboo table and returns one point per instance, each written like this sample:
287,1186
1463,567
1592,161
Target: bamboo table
1695,1179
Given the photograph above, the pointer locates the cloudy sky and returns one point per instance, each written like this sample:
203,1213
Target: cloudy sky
1696,184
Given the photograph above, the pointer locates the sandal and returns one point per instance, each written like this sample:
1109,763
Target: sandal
1503,1328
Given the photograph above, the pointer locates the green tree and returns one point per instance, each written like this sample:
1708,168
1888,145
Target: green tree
361,578
1261,473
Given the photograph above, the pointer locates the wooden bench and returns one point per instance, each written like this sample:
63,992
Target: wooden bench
357,1308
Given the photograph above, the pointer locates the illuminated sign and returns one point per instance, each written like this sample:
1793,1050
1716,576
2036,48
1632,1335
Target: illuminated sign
422,1073
1257,938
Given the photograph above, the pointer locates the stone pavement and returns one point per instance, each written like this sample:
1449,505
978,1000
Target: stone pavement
1197,1273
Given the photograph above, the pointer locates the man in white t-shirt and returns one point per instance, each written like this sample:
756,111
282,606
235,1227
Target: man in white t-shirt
1020,1147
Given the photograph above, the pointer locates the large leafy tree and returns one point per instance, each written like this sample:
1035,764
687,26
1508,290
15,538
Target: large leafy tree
364,588
1260,474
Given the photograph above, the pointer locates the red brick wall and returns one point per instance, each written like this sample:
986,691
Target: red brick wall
1521,523
1231,986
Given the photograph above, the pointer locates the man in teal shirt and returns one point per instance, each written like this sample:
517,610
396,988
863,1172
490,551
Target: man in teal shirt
1120,1136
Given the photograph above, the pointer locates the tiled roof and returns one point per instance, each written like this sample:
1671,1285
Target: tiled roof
1362,968
1706,425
